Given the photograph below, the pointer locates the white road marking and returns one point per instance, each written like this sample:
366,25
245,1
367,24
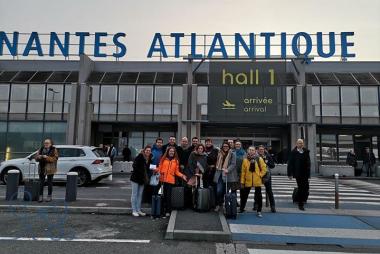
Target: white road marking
48,239
266,251
308,232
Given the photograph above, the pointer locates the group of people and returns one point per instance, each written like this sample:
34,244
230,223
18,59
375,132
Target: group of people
225,169
369,161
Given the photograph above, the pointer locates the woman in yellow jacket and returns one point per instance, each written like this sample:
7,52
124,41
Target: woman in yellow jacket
253,169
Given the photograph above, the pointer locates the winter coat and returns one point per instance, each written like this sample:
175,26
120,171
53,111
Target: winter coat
156,153
299,164
232,174
268,159
351,160
369,158
168,170
252,178
48,165
194,159
240,155
140,170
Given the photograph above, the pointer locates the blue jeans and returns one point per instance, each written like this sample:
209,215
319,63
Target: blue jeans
136,198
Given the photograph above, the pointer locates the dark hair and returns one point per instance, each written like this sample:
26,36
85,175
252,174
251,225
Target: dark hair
194,138
159,138
226,143
146,147
171,136
200,145
208,140
237,140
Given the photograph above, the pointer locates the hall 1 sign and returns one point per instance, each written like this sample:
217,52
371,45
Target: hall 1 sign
242,92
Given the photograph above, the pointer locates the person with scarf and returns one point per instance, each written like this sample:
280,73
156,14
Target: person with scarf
139,178
47,156
240,155
212,156
252,171
225,171
169,169
197,163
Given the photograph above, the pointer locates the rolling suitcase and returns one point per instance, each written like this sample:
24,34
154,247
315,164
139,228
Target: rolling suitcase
212,197
156,211
32,185
201,199
230,203
178,198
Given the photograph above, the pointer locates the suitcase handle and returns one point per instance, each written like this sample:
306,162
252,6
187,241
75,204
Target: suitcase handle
34,170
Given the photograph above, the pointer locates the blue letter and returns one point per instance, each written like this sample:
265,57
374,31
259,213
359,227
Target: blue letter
249,50
194,46
221,49
29,46
345,44
267,43
283,45
99,44
4,39
331,45
295,48
161,48
54,39
123,49
82,36
177,43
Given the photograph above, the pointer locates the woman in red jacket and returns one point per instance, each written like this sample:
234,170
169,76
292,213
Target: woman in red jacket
169,169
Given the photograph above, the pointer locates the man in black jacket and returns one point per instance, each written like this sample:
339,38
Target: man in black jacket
212,156
369,160
268,184
299,168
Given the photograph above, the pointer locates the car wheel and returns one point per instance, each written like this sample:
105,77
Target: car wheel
4,175
83,177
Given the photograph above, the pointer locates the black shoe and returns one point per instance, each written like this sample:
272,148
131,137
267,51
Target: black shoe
241,211
301,207
273,209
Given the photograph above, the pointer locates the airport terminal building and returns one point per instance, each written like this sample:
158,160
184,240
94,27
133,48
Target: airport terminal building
333,105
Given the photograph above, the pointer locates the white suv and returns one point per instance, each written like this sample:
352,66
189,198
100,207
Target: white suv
90,162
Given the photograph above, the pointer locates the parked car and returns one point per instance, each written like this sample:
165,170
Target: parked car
90,162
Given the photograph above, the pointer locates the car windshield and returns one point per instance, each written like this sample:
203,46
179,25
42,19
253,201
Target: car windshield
99,152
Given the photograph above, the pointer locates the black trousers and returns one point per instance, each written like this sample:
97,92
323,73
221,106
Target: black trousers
269,192
258,199
49,182
168,197
244,193
303,189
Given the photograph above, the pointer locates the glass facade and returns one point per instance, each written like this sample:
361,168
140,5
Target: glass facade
30,112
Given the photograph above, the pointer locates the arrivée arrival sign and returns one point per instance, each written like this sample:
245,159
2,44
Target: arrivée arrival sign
247,92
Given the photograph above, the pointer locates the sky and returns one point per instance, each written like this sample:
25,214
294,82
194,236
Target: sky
141,19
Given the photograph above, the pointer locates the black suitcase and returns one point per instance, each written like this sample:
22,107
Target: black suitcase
212,197
157,208
230,203
32,185
201,199
178,198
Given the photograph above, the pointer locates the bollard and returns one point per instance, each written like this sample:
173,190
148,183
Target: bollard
71,186
12,184
336,191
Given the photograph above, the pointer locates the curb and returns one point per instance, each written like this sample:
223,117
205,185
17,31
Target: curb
70,209
198,235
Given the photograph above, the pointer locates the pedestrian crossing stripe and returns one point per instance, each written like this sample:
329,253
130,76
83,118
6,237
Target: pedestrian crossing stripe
270,251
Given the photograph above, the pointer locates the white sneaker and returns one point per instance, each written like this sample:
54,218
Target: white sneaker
259,215
135,214
217,208
167,215
141,213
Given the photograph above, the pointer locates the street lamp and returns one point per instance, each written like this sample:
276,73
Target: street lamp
53,93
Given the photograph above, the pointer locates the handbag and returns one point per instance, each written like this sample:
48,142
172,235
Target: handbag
154,179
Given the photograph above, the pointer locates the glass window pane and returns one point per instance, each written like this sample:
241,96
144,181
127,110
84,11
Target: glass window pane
135,142
369,101
329,151
126,93
177,94
144,104
108,94
67,98
316,100
346,144
330,101
36,92
56,131
24,137
150,137
350,101
4,92
162,94
18,98
202,94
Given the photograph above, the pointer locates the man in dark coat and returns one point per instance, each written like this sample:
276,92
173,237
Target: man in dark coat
212,156
299,168
369,160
